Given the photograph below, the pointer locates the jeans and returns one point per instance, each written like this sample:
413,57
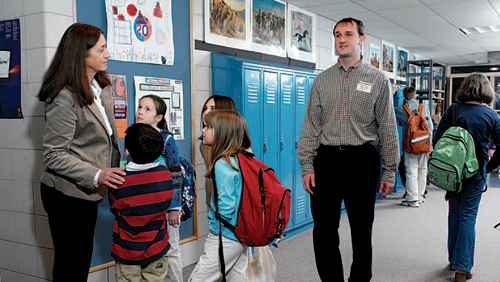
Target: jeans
351,175
462,215
416,175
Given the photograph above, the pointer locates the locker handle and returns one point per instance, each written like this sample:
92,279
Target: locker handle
265,147
282,145
296,144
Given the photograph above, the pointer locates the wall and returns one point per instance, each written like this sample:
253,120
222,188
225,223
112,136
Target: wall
26,248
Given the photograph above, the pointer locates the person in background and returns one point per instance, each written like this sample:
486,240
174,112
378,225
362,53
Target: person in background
474,97
415,164
140,237
350,111
227,133
214,102
151,110
80,147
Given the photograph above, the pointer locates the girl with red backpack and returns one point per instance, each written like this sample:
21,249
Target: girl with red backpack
227,133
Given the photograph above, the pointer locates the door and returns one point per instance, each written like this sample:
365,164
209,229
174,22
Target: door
252,108
270,115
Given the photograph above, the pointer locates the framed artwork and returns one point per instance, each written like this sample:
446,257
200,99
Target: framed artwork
375,55
388,58
226,23
269,27
402,64
301,40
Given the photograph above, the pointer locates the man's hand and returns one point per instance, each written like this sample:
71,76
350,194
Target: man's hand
111,177
386,187
308,181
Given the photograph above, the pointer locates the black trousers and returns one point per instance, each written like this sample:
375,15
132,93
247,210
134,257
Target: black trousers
72,223
351,174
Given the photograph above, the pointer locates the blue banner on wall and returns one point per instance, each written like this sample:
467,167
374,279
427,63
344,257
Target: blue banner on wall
10,69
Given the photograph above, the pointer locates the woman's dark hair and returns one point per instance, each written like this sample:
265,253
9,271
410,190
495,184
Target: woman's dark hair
144,143
161,109
359,24
221,103
68,69
476,87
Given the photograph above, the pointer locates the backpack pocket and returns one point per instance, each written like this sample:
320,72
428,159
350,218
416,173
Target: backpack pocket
444,176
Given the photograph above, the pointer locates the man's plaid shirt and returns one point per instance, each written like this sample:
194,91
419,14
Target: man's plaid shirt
350,107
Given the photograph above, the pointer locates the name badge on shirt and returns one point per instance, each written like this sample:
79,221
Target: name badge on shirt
364,86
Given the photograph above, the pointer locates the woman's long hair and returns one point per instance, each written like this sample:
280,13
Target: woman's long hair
476,87
161,109
230,136
68,68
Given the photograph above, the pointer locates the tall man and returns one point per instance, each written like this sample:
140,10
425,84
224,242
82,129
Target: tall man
350,111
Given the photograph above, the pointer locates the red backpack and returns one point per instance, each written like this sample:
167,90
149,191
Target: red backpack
264,209
417,138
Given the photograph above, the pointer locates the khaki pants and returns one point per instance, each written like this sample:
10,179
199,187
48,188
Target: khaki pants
154,272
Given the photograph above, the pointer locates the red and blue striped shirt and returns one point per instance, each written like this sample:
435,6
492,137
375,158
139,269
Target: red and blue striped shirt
140,207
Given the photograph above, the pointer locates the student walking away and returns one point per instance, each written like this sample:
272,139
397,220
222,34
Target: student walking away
214,102
417,142
80,147
350,111
474,97
227,133
151,111
140,237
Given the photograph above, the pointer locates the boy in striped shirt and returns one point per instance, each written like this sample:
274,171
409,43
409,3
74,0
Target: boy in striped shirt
140,205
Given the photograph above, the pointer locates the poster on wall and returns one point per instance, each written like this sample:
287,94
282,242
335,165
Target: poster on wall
301,40
388,58
226,23
140,31
119,96
402,64
171,91
269,27
375,55
10,69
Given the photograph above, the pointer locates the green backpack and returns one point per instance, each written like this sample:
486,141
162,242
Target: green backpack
454,157
453,160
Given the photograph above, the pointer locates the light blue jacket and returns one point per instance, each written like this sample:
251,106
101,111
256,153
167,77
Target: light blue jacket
402,116
229,189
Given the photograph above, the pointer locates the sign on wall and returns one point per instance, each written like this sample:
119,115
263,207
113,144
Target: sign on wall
10,69
140,31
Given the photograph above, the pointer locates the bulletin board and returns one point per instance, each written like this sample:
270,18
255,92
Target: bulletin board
93,12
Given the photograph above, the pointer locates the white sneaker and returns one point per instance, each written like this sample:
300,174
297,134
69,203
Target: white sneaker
413,204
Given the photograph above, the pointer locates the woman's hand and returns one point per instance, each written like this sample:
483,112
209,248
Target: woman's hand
111,177
174,218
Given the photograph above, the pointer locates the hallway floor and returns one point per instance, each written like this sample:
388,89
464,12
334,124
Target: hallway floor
409,244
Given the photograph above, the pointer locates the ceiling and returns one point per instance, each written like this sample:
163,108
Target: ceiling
426,27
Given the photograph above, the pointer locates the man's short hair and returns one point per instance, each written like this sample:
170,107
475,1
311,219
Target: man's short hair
409,93
144,143
361,26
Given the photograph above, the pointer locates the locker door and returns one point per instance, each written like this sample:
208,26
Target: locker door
300,196
270,117
286,133
252,108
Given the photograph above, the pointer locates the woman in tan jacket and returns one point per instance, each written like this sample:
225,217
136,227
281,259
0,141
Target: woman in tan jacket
80,147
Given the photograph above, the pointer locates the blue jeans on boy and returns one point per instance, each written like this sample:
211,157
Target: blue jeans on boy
463,208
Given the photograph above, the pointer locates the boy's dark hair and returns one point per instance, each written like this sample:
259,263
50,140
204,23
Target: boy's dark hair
144,143
360,25
409,93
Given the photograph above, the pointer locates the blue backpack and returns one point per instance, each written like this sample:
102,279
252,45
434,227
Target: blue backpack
188,189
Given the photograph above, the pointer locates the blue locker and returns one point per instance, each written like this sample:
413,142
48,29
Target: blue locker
273,99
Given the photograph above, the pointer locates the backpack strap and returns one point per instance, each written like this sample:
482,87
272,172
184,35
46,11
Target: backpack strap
421,110
407,109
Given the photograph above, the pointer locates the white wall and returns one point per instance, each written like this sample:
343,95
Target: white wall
26,251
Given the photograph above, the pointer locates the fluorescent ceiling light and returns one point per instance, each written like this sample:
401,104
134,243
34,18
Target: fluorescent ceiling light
484,29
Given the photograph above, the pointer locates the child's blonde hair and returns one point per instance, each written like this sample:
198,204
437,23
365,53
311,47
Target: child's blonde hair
230,136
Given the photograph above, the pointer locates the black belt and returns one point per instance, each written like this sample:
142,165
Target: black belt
345,147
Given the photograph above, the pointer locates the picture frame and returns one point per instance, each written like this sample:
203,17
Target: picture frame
268,27
375,55
301,37
226,23
402,64
388,53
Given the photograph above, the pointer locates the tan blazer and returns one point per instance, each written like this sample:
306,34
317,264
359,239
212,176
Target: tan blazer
76,145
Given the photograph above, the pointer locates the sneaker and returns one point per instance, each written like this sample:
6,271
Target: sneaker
414,204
